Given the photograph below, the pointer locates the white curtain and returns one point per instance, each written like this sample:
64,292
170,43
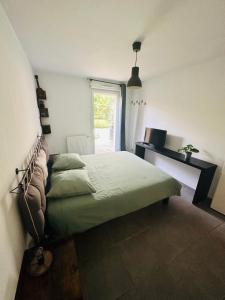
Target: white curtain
136,112
118,123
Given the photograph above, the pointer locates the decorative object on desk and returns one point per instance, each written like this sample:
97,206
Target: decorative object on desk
188,150
46,129
135,82
41,94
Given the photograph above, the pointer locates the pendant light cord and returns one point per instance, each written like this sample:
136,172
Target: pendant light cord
136,59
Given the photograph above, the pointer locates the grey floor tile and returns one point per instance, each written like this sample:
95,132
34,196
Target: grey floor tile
130,295
160,252
93,243
201,268
130,225
159,285
106,278
219,234
139,257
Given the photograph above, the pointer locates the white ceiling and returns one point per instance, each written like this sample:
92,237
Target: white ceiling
93,38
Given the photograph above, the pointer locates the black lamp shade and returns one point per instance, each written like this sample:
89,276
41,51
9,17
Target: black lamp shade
134,81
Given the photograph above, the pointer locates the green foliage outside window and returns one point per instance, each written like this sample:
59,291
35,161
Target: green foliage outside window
103,111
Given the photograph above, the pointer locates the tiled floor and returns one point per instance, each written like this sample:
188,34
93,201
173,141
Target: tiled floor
161,252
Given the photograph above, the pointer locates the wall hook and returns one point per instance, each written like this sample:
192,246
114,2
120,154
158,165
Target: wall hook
18,170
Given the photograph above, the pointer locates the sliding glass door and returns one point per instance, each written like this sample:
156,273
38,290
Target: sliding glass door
107,115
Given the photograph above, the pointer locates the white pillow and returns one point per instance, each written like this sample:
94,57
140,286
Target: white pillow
68,161
70,183
41,162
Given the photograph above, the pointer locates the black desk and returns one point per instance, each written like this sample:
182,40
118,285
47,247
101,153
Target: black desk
207,169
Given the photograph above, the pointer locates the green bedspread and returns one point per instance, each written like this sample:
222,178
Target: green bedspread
124,183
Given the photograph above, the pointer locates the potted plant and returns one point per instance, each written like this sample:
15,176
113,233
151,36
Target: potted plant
188,150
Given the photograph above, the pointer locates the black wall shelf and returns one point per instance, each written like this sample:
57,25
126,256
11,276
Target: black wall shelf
46,129
43,111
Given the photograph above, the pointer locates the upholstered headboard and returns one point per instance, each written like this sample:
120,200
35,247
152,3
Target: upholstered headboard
31,191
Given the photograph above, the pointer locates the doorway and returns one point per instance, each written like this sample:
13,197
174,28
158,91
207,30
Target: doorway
106,121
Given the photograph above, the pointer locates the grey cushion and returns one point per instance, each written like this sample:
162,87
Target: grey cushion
41,162
44,146
32,213
37,180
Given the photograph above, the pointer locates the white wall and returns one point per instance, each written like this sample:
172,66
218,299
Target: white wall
70,109
19,126
190,104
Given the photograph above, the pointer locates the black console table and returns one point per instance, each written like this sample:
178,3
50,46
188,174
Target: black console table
207,170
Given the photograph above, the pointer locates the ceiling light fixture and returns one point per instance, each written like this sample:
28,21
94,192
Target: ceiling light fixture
135,82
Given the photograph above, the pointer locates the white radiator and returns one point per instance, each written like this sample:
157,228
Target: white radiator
81,144
218,202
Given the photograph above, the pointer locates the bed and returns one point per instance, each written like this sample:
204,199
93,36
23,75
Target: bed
124,183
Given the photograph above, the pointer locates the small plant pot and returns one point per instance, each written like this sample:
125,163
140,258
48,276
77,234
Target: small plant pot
188,156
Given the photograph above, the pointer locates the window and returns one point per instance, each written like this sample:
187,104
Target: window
106,107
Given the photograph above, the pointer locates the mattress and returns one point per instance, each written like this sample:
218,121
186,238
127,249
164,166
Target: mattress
124,183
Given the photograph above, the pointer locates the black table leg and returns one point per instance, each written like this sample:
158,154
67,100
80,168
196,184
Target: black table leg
203,186
140,151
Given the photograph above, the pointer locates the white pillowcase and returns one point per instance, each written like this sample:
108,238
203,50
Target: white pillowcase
41,162
70,183
68,161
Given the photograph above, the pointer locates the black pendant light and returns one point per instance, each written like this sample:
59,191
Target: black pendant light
135,82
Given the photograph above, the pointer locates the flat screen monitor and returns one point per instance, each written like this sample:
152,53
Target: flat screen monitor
156,137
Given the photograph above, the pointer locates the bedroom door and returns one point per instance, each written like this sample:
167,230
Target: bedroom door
218,202
107,114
